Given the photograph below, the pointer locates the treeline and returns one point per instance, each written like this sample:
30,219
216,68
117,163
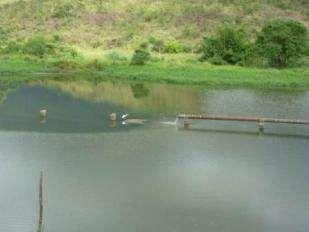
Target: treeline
280,43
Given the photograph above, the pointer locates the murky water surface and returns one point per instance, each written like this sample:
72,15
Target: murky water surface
103,176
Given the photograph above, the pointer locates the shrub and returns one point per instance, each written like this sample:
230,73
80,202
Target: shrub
173,47
139,90
38,46
282,42
157,45
116,57
229,44
141,55
210,48
251,57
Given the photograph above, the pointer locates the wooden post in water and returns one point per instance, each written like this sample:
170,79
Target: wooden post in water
40,223
186,125
261,126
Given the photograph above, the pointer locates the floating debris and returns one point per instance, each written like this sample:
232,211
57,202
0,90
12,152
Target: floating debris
134,121
113,116
43,112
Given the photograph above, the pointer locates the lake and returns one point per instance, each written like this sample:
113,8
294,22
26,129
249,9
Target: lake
106,176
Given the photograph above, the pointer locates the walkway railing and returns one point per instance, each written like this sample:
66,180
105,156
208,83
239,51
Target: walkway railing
260,121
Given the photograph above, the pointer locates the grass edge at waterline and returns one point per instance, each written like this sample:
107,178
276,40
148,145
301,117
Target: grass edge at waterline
186,73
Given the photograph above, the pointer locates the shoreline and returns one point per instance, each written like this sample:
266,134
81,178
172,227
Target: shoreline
201,74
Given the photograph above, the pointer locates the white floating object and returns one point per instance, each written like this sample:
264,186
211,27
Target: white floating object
43,112
134,121
124,116
113,116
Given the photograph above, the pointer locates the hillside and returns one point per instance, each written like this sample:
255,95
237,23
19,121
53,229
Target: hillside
116,23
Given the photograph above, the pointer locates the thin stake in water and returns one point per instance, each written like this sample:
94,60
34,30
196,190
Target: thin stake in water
40,224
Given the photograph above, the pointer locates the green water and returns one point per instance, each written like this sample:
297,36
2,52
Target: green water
103,176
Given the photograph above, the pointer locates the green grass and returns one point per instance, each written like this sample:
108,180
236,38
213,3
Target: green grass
169,69
94,27
117,23
16,65
201,74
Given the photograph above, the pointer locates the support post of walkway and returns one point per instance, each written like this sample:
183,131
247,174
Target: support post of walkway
261,126
186,125
40,223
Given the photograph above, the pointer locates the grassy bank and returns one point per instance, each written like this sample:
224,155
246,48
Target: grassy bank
18,66
95,40
114,24
177,69
200,74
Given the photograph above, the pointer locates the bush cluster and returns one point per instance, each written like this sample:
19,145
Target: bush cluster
139,90
116,57
169,46
40,46
141,55
280,43
228,46
173,46
157,45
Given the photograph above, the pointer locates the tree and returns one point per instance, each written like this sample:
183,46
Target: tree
141,55
229,45
38,46
282,42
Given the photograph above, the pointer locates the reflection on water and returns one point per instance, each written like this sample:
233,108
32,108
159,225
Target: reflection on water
167,99
276,103
153,177
6,87
139,90
249,133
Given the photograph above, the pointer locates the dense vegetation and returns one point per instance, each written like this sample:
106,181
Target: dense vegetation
228,47
110,36
281,43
